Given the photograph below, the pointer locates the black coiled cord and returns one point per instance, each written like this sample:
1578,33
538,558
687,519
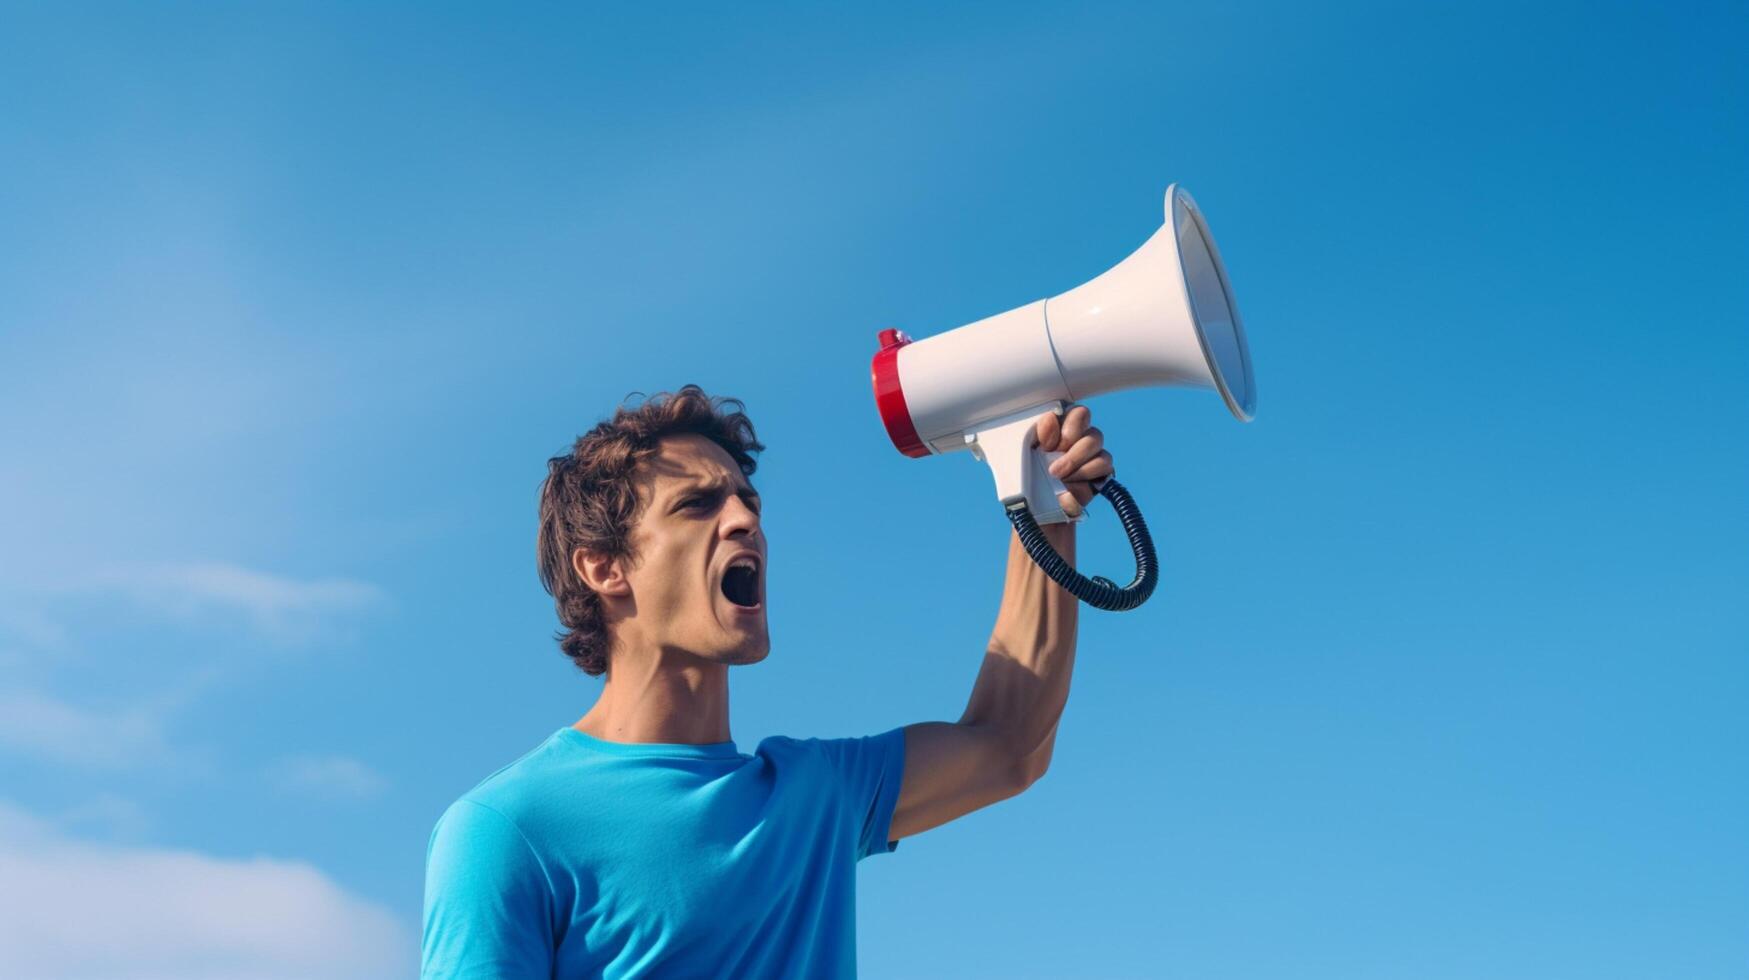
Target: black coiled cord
1100,593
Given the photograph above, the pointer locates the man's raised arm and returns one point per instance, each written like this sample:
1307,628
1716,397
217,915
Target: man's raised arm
1003,741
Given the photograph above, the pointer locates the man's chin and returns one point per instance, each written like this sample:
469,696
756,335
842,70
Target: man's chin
750,653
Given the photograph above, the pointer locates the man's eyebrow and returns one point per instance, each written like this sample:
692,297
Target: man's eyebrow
714,486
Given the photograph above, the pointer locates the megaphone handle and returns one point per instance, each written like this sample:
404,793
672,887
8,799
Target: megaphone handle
1009,446
1100,593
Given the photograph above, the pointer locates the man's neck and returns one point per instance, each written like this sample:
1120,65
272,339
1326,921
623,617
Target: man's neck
656,698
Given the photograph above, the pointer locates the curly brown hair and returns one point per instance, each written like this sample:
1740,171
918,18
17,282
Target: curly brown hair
590,500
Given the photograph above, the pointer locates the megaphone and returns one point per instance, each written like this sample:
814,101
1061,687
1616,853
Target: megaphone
1163,316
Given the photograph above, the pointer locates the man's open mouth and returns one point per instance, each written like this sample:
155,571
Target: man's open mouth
741,582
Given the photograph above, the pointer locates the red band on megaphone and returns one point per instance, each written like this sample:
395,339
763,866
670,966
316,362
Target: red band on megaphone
890,395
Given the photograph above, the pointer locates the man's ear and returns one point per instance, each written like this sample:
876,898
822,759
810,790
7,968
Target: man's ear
602,574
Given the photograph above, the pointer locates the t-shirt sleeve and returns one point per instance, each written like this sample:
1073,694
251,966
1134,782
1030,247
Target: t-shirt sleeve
488,903
869,771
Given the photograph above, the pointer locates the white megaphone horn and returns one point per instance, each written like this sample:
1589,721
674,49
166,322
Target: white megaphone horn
1163,316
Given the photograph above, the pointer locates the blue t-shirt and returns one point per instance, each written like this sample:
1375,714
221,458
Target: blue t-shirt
587,858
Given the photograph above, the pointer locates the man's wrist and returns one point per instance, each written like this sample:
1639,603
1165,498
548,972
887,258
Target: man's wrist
1061,536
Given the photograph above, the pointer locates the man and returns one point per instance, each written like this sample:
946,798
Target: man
639,841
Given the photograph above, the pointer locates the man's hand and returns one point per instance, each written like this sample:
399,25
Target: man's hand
1085,458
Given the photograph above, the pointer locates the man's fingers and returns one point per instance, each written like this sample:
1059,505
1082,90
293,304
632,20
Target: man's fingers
1076,422
1096,468
1084,457
1050,431
1080,452
1071,503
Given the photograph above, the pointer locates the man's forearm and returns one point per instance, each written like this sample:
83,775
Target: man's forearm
1024,682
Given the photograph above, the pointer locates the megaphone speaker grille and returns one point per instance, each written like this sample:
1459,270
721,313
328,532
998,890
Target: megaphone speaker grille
1211,300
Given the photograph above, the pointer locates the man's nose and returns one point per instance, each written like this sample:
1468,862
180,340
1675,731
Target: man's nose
739,519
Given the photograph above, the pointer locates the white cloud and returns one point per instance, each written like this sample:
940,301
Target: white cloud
128,728
46,726
109,816
285,608
333,775
73,910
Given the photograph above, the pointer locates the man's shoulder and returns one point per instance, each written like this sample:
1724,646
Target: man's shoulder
515,791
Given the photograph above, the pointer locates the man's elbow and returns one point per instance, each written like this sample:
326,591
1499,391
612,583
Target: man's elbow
1032,767
1019,777
1028,775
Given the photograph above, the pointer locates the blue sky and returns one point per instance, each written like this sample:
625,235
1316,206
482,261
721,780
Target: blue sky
1448,672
